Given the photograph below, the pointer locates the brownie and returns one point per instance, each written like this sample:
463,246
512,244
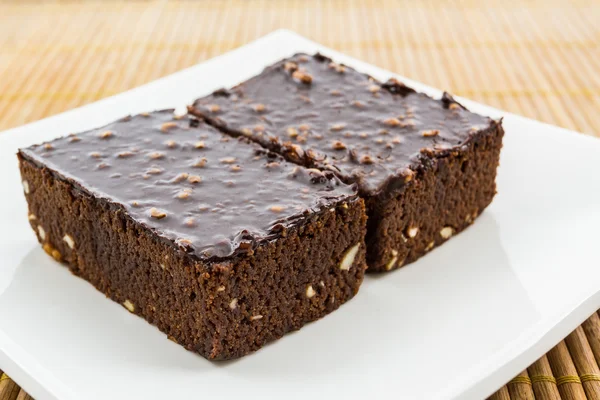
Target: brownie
425,167
222,245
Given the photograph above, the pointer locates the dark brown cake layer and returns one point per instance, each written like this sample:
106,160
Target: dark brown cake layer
387,138
299,256
445,197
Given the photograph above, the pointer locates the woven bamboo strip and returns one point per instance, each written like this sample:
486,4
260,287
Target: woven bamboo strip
520,387
543,382
24,396
501,394
509,75
455,79
8,388
582,356
475,33
73,63
593,80
557,58
585,32
549,107
25,70
591,327
563,369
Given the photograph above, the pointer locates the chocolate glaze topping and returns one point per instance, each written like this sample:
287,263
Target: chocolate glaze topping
193,186
327,115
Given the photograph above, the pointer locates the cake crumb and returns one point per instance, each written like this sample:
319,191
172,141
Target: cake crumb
412,232
348,259
129,305
447,232
69,241
42,232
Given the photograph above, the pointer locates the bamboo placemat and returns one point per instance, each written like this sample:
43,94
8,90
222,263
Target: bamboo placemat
538,58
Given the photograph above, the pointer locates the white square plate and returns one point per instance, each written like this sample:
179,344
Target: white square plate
458,323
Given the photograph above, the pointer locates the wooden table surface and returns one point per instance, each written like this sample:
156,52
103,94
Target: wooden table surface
537,58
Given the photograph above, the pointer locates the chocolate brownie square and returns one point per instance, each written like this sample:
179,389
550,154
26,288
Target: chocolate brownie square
221,244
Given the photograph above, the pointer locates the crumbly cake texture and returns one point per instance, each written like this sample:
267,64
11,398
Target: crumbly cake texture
425,167
221,244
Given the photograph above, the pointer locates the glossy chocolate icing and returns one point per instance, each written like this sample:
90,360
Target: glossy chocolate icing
327,115
203,191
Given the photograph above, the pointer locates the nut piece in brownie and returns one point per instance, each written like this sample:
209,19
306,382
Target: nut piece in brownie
221,244
425,167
